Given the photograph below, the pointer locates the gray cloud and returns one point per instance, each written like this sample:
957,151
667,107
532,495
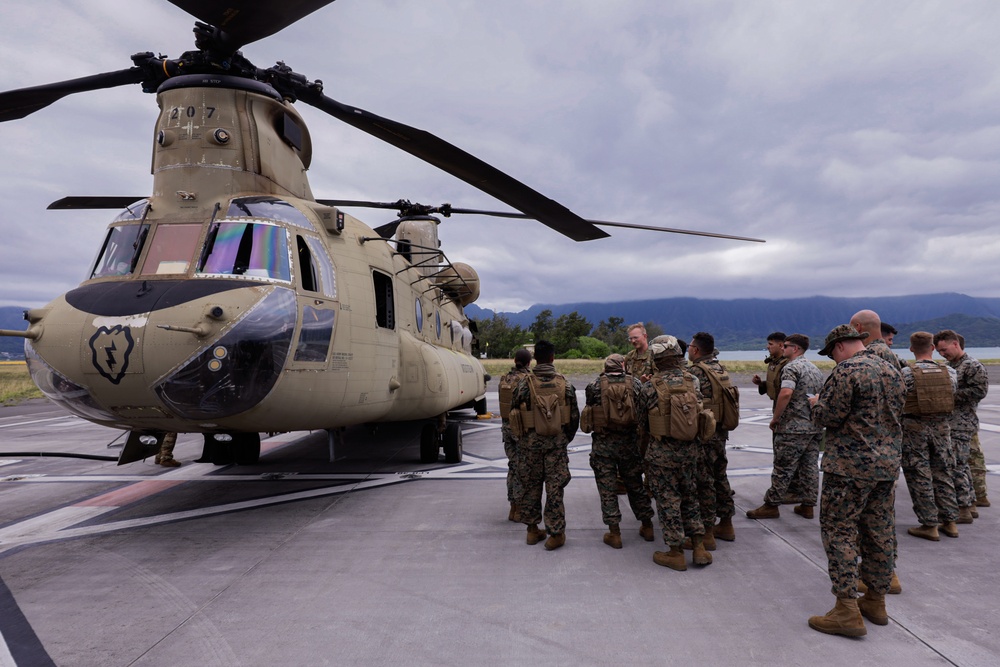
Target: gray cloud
860,139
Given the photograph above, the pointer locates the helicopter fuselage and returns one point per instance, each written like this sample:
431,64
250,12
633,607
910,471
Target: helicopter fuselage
231,301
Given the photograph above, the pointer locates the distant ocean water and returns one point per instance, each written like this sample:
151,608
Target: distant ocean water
813,354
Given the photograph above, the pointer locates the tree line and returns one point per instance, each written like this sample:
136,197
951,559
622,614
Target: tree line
572,335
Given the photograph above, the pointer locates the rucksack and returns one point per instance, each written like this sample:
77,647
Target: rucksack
548,413
725,404
506,388
616,398
678,410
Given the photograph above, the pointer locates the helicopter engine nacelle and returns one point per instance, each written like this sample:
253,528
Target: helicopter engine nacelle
459,281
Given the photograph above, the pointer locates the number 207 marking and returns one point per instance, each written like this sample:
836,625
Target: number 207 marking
190,112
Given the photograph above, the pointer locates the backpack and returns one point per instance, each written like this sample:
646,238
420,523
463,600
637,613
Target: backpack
616,398
725,405
678,410
548,413
506,387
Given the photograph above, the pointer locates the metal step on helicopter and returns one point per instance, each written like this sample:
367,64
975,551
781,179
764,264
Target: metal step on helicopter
232,302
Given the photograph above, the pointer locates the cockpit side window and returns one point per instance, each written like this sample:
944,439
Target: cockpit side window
246,249
323,267
121,250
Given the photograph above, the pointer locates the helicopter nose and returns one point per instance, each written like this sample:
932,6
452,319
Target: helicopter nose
237,371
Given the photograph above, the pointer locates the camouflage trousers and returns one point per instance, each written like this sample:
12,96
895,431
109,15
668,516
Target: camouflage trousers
961,442
977,466
715,495
670,471
928,467
542,464
796,468
616,455
514,490
858,518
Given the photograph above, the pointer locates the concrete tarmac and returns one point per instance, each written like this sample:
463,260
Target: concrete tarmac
375,559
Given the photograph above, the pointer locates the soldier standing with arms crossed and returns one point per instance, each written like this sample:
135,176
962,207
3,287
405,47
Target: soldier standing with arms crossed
859,407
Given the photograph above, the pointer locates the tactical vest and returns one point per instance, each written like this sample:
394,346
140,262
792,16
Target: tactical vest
549,410
617,409
507,385
932,394
772,383
725,402
678,411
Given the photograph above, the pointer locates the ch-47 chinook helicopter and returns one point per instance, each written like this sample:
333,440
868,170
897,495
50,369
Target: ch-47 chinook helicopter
231,301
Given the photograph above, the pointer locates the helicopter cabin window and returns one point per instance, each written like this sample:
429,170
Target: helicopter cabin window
269,208
420,315
171,249
315,335
121,250
246,249
385,315
315,267
437,323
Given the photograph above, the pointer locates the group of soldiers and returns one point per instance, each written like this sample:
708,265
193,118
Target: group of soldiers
660,425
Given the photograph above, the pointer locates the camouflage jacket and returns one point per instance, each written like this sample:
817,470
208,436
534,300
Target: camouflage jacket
860,406
522,395
878,348
803,378
638,364
973,383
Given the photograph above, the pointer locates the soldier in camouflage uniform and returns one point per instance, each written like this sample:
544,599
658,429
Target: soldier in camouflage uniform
928,457
544,460
670,463
714,490
796,438
614,455
639,360
859,407
973,383
522,363
770,384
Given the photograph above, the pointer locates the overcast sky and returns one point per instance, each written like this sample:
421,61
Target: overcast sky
861,139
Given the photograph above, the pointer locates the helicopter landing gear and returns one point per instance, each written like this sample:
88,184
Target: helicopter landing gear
243,449
453,443
429,443
432,439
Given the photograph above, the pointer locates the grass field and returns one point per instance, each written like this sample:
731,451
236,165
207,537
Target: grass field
15,383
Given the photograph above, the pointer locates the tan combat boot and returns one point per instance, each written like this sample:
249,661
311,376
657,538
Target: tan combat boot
535,534
710,537
895,588
949,528
555,541
613,538
765,511
804,511
674,559
964,515
844,619
514,515
724,529
699,554
872,607
646,530
169,462
926,532
982,501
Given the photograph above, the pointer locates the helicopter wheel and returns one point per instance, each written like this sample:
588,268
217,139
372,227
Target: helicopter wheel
245,449
429,443
480,406
453,443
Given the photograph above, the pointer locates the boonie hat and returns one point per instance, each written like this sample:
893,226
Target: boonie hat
839,333
614,363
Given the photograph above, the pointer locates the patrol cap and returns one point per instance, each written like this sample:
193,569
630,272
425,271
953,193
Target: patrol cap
839,333
614,363
665,346
801,340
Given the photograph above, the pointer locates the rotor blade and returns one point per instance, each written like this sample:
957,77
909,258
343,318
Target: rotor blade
69,203
457,162
246,21
522,216
19,103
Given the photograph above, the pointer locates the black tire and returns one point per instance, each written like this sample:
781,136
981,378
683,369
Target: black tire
246,449
429,444
480,406
453,443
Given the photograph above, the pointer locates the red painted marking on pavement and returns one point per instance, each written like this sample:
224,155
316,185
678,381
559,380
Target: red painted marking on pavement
130,493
